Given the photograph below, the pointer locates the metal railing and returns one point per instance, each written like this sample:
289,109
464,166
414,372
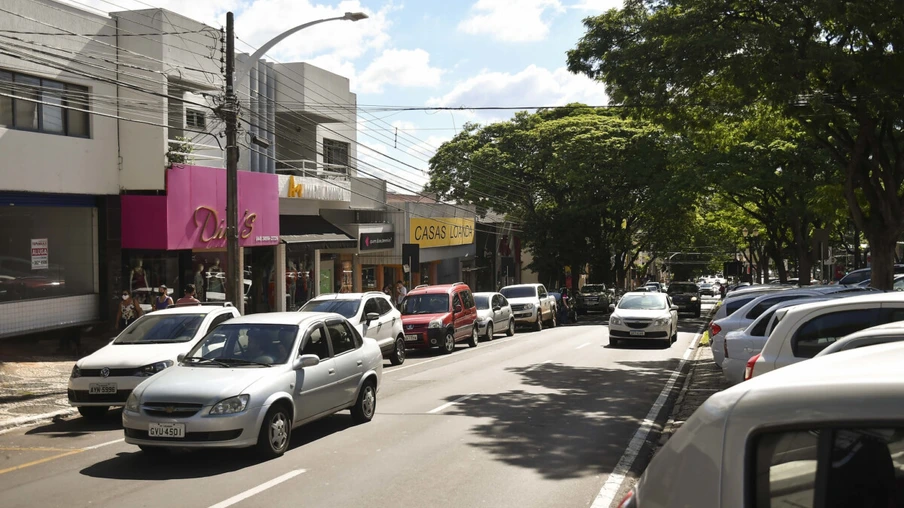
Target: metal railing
307,167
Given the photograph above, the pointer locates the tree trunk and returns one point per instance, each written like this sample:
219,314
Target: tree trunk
858,257
882,249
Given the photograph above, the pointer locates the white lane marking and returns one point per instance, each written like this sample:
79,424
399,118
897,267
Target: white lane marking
95,447
257,490
614,482
456,355
583,345
535,366
447,405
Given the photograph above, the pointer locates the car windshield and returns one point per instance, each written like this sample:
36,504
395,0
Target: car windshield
425,304
346,308
590,288
161,328
483,302
682,287
244,344
519,292
642,302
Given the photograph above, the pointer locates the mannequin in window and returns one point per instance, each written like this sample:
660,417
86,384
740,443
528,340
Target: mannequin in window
200,293
214,282
138,277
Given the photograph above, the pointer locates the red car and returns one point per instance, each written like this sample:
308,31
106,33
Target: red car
439,316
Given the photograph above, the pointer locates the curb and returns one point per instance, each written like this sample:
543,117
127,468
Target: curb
23,421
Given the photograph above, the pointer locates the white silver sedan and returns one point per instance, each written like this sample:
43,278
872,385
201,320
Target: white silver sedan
643,316
494,314
254,379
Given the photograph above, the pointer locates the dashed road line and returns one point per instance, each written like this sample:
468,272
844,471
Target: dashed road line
257,490
447,405
584,345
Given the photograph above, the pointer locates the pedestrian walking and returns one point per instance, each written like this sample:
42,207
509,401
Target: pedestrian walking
128,312
402,292
387,290
163,300
189,296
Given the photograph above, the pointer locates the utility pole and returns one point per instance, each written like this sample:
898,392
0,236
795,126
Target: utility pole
235,279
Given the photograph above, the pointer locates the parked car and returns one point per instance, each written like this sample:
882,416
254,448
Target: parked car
728,306
882,334
897,285
531,304
236,387
593,298
643,316
439,316
826,432
151,344
494,313
751,310
374,316
708,289
803,331
654,287
857,276
686,295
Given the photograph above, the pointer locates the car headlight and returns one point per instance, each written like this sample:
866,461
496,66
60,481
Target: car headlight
436,323
231,405
150,370
76,372
693,298
661,321
615,320
132,403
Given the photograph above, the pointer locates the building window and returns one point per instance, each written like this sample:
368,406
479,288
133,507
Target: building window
195,119
43,105
335,152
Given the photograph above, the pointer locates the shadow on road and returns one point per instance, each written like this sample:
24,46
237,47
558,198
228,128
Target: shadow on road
184,464
578,426
78,426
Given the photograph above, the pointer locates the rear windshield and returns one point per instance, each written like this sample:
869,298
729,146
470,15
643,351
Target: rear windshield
160,328
519,292
591,288
855,277
347,308
682,287
736,304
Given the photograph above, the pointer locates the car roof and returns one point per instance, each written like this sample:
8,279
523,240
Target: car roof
283,318
439,288
532,284
348,296
190,309
850,300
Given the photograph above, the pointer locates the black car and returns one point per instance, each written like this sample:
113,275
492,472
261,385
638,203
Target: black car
686,295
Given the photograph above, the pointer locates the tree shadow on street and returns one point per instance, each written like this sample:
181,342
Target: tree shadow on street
573,421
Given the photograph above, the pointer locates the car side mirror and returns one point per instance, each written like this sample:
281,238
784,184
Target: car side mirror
180,357
371,316
457,309
497,308
306,361
611,307
674,307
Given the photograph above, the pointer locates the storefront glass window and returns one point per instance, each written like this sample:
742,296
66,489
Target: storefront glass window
369,278
46,252
145,271
299,275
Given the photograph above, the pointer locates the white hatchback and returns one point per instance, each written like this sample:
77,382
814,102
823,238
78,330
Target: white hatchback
152,343
374,316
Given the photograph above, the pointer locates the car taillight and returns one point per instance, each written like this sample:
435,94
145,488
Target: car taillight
714,330
748,371
629,501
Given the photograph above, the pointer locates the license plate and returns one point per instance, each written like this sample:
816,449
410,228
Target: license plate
102,389
411,338
174,430
638,333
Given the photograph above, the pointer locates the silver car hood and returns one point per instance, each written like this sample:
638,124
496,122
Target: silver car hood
201,385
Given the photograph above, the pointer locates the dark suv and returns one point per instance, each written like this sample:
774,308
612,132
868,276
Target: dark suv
686,295
439,316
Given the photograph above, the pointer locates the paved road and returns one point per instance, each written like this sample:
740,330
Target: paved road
539,419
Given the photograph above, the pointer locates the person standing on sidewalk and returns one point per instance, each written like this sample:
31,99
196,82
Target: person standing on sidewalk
129,311
189,296
163,301
402,292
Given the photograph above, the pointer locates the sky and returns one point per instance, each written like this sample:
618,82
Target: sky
449,53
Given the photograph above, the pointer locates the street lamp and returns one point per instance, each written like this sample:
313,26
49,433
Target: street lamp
234,276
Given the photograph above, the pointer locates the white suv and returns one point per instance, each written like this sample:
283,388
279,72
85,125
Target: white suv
152,343
374,316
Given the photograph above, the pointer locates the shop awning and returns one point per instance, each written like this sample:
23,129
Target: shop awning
315,231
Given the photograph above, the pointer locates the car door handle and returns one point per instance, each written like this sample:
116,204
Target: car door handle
331,371
360,363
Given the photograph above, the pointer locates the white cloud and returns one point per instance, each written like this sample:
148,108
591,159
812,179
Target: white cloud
399,67
534,86
598,5
512,20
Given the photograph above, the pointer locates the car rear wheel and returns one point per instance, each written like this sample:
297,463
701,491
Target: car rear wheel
448,343
93,412
398,355
276,430
511,328
490,331
366,405
475,337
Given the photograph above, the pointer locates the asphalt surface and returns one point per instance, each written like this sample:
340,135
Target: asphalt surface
541,419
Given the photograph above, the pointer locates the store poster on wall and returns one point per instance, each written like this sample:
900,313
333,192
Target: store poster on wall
40,254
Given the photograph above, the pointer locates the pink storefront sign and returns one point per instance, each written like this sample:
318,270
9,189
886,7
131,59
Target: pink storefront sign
192,215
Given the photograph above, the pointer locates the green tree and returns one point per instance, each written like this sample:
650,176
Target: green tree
832,65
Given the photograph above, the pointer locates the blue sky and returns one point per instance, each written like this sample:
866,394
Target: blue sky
454,53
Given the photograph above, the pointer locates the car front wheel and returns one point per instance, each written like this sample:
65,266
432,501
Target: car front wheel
539,325
448,343
276,430
398,355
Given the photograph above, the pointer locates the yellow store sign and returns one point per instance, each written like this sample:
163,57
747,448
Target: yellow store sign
441,232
